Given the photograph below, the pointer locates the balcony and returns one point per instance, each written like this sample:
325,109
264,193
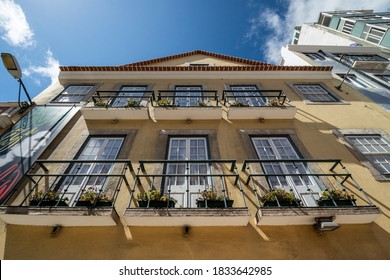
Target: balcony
187,193
297,192
118,105
67,193
257,104
187,105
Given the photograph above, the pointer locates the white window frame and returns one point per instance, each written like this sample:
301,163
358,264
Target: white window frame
75,185
355,80
79,91
371,37
348,26
324,96
189,101
121,99
253,99
315,56
287,151
385,78
375,148
177,186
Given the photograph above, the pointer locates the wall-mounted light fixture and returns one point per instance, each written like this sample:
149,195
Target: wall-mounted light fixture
186,231
325,224
12,66
55,230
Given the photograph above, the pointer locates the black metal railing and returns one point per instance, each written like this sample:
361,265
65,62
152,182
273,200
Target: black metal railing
337,186
186,98
254,98
186,184
71,183
121,98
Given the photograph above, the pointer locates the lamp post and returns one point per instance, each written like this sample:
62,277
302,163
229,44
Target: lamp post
12,66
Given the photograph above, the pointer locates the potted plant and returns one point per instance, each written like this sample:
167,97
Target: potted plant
132,103
100,103
202,104
284,198
210,199
50,198
154,199
341,198
238,104
92,197
164,103
274,102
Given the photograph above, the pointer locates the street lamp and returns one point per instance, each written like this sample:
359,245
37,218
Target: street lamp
12,66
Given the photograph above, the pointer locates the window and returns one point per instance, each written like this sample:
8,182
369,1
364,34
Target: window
191,64
373,34
385,78
315,93
129,93
187,148
74,94
348,27
315,56
96,148
375,148
199,64
350,59
324,19
188,95
354,80
280,148
248,95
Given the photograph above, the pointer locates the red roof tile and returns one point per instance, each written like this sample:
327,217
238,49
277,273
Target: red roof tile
193,68
252,65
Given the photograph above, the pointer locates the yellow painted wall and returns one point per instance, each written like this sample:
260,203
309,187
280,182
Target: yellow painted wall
313,125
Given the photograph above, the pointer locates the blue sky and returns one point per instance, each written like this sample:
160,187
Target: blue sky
43,34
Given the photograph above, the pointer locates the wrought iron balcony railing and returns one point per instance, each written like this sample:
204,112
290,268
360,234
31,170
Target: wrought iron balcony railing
121,98
186,98
187,184
254,98
294,183
71,183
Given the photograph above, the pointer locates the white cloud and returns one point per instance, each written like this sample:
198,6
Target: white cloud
281,26
14,26
49,70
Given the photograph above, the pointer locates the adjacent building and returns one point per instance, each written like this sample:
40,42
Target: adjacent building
343,28
365,69
197,156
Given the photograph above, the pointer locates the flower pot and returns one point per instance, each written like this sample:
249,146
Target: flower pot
214,203
282,203
339,202
156,203
48,203
98,204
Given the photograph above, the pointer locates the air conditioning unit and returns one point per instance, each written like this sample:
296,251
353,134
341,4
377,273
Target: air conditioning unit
325,224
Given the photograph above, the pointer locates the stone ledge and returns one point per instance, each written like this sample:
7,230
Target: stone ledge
64,216
307,215
187,216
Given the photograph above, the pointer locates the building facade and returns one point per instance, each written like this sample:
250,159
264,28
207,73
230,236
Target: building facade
197,156
343,28
365,69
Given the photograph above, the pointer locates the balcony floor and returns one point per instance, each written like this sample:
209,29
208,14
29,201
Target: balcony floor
306,215
63,216
187,216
